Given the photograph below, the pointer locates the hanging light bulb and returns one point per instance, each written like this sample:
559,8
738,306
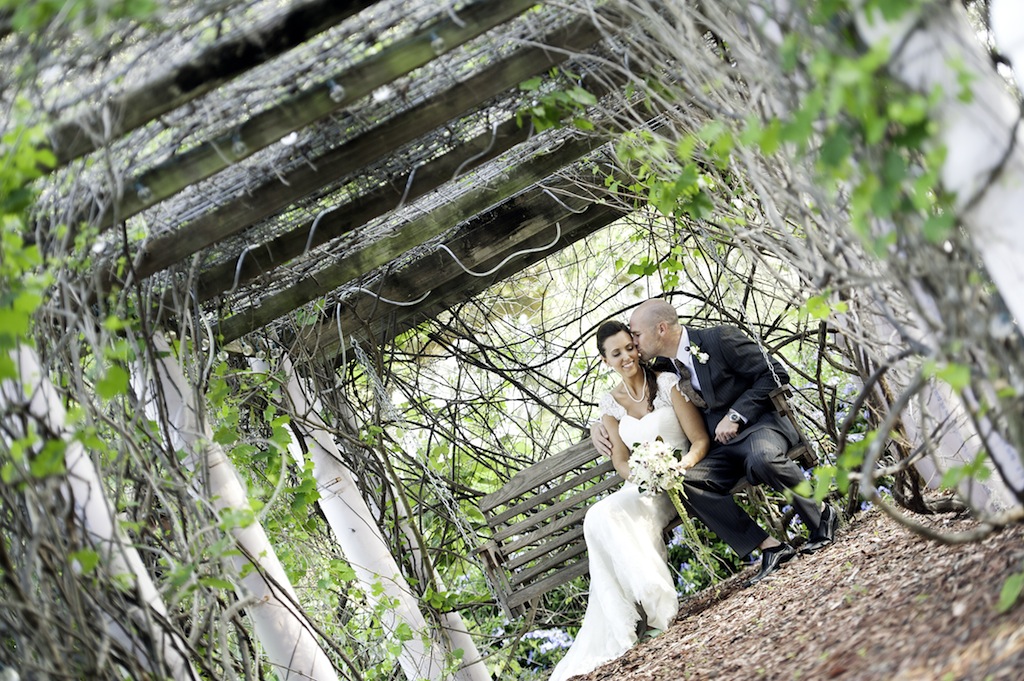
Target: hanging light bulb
336,92
143,192
437,43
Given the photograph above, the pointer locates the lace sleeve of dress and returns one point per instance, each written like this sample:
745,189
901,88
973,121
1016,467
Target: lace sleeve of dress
666,383
608,405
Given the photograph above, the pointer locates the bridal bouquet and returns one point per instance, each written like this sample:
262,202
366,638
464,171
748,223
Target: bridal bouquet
656,466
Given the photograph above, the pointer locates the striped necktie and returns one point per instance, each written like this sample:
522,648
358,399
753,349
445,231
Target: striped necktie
686,384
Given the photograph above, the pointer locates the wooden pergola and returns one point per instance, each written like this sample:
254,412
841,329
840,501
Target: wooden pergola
360,163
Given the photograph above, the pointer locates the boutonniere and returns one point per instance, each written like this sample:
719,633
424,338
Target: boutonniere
701,357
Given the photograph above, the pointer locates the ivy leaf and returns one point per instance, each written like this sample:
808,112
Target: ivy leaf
937,227
817,307
216,583
836,149
87,560
1010,592
531,84
342,571
114,383
958,376
49,461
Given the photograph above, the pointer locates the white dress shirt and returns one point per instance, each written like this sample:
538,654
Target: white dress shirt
684,355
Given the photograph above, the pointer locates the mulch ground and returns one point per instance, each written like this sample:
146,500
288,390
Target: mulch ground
881,603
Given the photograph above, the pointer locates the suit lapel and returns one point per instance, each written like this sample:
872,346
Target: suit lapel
707,386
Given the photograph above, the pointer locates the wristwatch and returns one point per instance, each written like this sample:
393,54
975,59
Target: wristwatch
735,417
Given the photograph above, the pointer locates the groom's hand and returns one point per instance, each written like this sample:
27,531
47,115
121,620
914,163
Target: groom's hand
726,431
599,437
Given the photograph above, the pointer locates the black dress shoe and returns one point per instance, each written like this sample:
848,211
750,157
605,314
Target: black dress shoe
771,559
825,534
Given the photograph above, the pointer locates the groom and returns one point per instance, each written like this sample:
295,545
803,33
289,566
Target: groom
726,371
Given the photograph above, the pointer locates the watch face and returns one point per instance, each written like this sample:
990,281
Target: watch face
734,417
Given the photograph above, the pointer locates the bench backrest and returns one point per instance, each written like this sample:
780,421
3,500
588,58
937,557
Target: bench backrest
537,524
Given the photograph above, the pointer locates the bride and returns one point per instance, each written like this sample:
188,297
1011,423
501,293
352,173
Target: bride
628,568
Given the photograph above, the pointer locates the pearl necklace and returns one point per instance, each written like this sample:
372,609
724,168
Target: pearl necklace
643,394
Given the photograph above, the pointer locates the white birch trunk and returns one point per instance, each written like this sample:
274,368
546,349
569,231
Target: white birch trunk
359,538
984,166
94,513
453,627
281,627
1007,20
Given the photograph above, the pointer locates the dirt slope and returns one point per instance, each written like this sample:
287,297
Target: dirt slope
882,603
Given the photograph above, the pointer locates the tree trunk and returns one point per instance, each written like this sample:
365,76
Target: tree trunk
282,628
94,514
360,540
934,48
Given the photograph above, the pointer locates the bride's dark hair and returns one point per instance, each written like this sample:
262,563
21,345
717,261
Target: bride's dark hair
613,327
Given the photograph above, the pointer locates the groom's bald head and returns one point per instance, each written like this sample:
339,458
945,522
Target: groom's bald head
655,328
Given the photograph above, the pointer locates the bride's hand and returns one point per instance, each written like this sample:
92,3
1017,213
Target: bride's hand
689,461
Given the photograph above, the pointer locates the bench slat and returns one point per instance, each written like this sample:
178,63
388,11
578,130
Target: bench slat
526,576
517,599
543,539
530,502
556,509
542,471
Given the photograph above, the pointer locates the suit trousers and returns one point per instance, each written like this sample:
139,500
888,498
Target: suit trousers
760,457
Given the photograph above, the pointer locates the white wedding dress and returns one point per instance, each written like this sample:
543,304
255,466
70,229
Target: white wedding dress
628,567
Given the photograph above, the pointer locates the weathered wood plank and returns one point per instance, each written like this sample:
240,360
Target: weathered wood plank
271,124
524,526
362,260
552,561
545,470
524,557
546,494
365,318
518,598
349,158
565,514
207,71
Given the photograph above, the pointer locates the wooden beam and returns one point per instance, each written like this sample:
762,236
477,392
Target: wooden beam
209,70
275,194
366,258
347,217
330,95
526,223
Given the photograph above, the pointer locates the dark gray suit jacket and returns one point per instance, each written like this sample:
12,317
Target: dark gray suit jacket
736,376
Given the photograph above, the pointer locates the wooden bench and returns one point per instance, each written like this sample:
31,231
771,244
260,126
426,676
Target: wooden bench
536,519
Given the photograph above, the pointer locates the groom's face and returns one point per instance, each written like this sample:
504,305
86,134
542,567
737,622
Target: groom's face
645,336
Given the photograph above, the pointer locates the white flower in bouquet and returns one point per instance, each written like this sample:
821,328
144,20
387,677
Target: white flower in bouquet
655,465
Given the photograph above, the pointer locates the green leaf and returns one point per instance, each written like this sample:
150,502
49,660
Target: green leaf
216,583
403,632
1010,592
937,227
114,383
50,460
87,559
8,369
342,571
818,307
836,149
531,84
803,488
14,322
958,376
823,476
